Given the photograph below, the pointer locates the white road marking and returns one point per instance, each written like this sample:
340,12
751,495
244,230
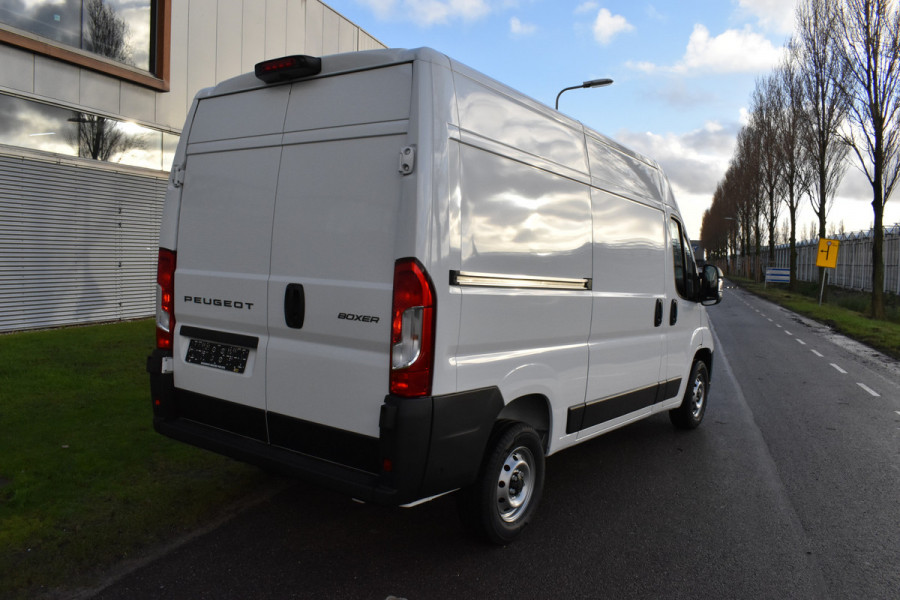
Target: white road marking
868,389
817,353
839,370
788,332
801,341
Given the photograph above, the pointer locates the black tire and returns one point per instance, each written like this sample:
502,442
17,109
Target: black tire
690,413
504,499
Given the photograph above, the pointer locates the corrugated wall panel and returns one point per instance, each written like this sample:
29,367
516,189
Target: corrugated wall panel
77,244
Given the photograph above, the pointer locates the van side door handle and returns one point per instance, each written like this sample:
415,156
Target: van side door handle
658,313
673,312
294,305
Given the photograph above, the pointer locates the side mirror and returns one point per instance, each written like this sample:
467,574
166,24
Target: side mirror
712,280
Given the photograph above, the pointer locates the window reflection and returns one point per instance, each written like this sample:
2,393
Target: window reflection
117,29
58,130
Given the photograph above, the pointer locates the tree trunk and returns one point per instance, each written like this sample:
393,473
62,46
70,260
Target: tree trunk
794,285
878,258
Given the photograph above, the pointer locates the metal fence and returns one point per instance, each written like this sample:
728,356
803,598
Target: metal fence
854,263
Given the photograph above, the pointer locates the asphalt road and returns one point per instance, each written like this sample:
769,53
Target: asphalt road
789,489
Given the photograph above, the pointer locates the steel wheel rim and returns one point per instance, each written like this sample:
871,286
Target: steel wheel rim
515,484
698,395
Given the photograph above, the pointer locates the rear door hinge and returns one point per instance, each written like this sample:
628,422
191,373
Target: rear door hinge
177,175
407,160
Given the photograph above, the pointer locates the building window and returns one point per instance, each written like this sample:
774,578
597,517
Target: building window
48,128
131,33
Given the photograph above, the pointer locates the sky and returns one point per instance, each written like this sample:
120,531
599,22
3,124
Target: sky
684,71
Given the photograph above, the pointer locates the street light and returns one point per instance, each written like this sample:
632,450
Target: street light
587,84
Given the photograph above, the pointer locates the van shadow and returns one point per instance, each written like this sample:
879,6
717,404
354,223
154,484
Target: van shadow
327,545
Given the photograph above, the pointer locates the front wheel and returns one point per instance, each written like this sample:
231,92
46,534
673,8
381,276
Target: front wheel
504,499
690,413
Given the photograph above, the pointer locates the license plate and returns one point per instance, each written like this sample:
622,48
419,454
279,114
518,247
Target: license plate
218,356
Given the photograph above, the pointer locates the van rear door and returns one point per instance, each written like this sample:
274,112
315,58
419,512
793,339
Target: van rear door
223,256
332,265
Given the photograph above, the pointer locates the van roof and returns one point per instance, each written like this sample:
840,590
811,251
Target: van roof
333,64
370,59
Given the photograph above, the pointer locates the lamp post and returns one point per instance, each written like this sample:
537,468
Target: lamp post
593,83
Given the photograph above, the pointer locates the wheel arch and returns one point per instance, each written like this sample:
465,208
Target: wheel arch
706,356
534,411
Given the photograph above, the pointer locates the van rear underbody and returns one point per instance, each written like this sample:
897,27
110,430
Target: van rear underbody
427,445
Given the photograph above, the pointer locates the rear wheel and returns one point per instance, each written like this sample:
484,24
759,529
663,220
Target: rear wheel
504,499
693,406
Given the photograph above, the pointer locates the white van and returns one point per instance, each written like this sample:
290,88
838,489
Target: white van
394,276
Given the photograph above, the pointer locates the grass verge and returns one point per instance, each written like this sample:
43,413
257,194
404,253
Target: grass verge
845,311
85,482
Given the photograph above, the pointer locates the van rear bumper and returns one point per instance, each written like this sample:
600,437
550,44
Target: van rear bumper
426,446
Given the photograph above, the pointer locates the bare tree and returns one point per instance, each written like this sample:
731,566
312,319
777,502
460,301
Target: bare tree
744,183
99,137
821,66
870,36
798,169
717,225
767,105
107,32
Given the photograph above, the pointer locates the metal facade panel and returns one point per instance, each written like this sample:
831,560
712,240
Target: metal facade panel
18,69
229,48
331,32
77,244
315,20
276,17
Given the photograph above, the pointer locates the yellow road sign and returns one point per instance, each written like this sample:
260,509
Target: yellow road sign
828,251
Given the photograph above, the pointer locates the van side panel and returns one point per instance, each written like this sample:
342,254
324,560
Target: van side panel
521,222
520,124
626,340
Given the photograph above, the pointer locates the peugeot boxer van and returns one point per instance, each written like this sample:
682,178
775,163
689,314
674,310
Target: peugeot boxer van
393,276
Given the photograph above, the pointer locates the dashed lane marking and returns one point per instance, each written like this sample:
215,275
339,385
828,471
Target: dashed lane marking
800,341
839,370
868,389
817,353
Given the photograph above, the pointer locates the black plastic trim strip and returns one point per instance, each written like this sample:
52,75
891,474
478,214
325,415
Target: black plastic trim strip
221,337
585,416
237,418
324,442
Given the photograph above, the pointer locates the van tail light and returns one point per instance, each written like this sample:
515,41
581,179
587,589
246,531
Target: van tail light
412,330
165,299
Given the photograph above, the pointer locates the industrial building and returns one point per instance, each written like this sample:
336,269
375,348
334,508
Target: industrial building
93,95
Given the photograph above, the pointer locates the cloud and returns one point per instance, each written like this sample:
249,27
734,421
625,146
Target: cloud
652,12
607,26
773,15
520,29
586,7
733,51
429,12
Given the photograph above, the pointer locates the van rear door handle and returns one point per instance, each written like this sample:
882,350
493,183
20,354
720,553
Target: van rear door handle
658,313
294,306
673,312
